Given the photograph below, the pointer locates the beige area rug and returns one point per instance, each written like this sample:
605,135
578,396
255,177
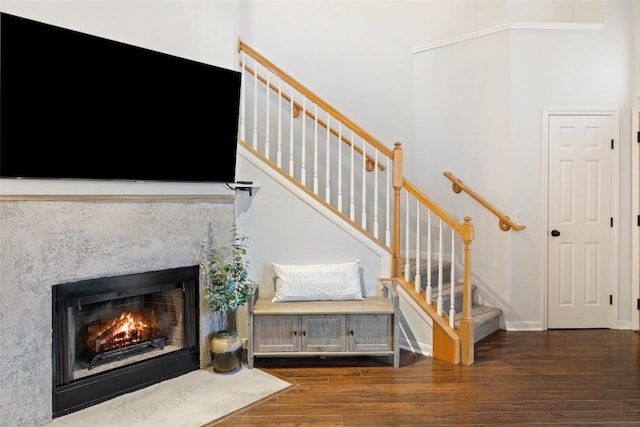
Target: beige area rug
189,400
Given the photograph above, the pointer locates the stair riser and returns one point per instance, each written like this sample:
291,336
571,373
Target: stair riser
486,328
446,278
446,298
433,265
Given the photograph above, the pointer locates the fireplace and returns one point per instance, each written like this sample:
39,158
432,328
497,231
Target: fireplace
118,334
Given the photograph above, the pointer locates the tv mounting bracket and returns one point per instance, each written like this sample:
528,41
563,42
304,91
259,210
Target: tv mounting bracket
243,186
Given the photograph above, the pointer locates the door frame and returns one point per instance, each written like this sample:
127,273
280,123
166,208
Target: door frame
635,218
615,196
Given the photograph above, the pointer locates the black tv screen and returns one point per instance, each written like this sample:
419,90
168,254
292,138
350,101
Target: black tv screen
78,106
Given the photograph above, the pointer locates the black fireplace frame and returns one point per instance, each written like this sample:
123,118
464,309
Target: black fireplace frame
88,391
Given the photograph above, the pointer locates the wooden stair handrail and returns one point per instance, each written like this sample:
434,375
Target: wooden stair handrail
313,195
504,222
433,207
297,108
242,46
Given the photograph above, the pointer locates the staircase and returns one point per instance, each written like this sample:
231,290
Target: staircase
486,319
361,180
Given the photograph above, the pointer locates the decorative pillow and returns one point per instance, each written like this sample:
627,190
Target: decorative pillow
313,282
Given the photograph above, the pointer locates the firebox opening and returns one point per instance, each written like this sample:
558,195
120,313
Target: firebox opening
125,335
117,334
109,332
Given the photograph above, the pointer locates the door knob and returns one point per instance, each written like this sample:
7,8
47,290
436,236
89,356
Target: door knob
555,233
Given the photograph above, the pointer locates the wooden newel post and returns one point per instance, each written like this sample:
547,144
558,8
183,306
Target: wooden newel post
467,331
398,178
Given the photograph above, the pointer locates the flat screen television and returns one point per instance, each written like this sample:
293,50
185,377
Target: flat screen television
78,106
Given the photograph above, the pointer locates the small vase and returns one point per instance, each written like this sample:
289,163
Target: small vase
226,351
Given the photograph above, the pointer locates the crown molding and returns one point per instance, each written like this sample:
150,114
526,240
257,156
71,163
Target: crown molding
513,26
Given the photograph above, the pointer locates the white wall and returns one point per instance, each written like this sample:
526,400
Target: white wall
461,110
342,49
565,11
354,54
481,100
635,31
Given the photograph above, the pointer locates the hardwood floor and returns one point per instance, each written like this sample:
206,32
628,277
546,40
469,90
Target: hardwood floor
557,377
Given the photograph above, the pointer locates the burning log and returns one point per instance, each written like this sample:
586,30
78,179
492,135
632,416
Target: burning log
155,343
123,336
123,331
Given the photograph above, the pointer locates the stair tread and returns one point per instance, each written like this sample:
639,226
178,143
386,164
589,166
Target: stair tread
424,262
485,320
481,313
446,288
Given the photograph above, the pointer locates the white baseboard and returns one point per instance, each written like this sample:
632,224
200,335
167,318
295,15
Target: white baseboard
524,326
416,347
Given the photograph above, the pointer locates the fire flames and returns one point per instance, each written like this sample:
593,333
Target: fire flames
124,330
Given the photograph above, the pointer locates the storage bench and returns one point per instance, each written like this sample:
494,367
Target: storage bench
324,328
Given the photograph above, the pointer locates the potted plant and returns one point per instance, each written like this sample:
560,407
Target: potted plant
226,286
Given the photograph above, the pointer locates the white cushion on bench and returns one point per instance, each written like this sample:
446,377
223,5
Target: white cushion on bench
317,282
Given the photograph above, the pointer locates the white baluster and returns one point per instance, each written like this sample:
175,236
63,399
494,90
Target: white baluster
418,278
279,153
376,188
291,172
268,108
339,149
429,288
243,99
303,168
452,309
387,225
407,266
352,204
364,184
255,107
327,190
315,152
439,303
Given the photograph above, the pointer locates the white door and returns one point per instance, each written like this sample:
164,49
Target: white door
580,221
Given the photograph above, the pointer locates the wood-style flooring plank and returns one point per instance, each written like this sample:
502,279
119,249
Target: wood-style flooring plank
557,377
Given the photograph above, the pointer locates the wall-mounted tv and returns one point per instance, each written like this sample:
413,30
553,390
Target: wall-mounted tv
78,106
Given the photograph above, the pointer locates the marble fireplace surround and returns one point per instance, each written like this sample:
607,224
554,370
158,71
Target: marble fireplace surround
44,243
